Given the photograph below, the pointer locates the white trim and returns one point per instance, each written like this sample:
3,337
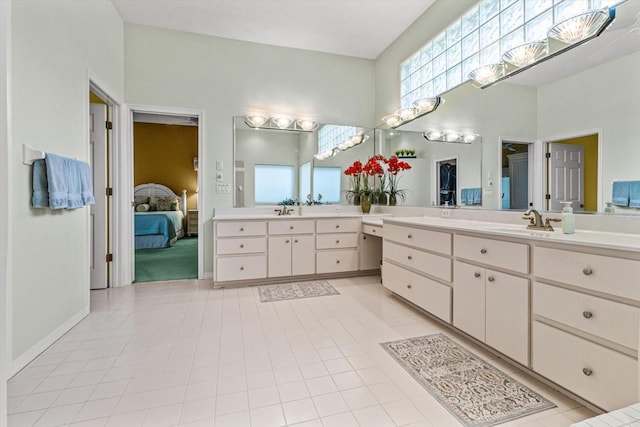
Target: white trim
29,355
125,214
6,309
571,135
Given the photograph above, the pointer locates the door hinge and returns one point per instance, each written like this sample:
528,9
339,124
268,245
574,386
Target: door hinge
547,196
547,155
109,191
109,257
109,125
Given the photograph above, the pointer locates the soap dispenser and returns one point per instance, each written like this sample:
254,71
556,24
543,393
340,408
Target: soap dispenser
568,219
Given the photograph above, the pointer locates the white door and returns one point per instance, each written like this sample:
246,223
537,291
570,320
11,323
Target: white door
566,176
98,159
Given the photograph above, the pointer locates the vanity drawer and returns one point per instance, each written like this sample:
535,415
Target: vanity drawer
241,228
610,320
291,227
427,294
428,263
241,268
495,253
336,241
338,261
602,376
245,245
373,230
435,241
338,225
615,276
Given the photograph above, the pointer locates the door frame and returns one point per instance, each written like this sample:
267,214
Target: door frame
544,174
532,166
435,175
127,260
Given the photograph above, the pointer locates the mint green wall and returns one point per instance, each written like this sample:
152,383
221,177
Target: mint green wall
55,44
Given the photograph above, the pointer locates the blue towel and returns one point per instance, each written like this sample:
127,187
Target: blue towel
466,196
40,197
86,183
74,184
634,194
57,180
620,193
477,196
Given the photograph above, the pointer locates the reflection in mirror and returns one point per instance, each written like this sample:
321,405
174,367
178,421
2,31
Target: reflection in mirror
441,174
272,166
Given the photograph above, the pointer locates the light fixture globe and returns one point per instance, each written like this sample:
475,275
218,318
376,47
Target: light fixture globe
488,74
408,113
580,27
307,125
433,135
427,105
255,120
526,54
282,122
392,120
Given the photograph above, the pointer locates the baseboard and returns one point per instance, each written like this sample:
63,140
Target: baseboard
24,359
208,275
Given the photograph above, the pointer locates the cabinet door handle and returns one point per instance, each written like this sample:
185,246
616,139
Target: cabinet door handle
491,278
483,251
291,227
337,241
587,314
587,371
338,226
241,268
374,230
241,246
295,241
587,271
241,229
286,241
337,261
476,274
409,257
409,236
409,286
364,237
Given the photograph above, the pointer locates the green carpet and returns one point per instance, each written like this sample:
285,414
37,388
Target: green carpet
175,263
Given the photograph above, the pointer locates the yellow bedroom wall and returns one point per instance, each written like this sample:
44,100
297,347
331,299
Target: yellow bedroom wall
163,154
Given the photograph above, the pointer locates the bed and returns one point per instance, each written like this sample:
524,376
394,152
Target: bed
159,219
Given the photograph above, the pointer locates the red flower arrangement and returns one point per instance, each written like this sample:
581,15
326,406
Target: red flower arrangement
394,166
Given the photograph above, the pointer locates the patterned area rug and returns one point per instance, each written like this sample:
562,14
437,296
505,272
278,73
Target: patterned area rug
476,393
318,288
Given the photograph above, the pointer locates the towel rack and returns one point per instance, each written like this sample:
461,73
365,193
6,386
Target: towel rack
29,154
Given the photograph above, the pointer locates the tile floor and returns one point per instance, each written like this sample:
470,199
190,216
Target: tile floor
183,354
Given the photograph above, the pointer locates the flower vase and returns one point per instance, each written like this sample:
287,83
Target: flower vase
382,199
392,199
356,199
365,203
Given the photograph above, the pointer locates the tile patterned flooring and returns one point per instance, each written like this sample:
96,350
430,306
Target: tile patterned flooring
183,354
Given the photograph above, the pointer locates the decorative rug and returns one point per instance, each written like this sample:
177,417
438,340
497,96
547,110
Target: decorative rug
317,288
476,393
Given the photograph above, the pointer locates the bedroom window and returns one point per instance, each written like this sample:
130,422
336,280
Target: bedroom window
326,181
273,183
480,37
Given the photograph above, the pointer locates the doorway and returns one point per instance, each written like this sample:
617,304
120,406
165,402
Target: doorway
446,181
165,168
515,182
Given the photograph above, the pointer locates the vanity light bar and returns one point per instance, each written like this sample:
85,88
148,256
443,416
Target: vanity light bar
592,24
280,122
420,108
451,136
348,143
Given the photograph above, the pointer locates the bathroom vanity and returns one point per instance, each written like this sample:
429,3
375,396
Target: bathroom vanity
566,307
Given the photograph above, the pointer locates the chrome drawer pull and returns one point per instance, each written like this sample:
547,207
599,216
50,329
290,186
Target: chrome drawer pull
476,275
337,241
409,257
338,261
241,229
587,371
286,241
241,268
587,271
483,251
241,246
409,286
295,241
491,278
409,236
587,314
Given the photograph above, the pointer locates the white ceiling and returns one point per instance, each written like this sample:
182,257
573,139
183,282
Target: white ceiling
359,28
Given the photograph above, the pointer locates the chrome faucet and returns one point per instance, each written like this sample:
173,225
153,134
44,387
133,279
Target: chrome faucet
536,222
283,211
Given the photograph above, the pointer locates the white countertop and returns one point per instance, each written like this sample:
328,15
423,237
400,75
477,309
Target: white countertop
617,241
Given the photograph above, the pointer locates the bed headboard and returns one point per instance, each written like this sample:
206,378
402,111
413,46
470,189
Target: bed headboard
160,190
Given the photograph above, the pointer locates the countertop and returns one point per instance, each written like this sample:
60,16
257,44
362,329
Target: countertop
600,239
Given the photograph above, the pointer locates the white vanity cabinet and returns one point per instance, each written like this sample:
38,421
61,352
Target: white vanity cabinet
417,267
337,245
586,309
240,248
291,248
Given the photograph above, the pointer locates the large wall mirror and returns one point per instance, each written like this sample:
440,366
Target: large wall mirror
283,161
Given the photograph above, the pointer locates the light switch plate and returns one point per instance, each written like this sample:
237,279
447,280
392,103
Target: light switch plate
219,165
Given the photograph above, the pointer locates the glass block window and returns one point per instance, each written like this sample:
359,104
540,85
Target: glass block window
330,136
264,178
480,37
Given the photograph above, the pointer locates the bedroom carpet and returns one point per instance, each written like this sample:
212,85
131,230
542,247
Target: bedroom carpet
175,263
